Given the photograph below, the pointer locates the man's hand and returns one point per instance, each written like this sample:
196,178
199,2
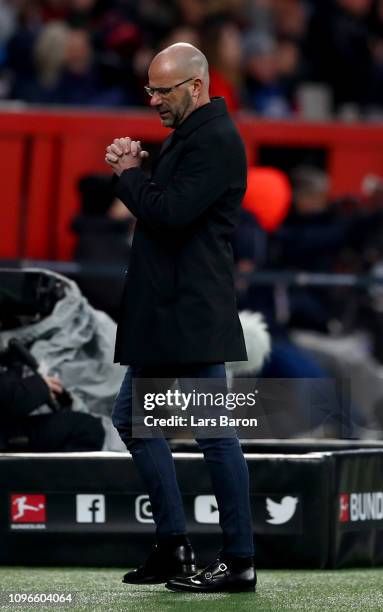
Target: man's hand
54,384
123,154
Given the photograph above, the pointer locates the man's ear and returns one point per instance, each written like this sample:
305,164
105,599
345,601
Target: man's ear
197,87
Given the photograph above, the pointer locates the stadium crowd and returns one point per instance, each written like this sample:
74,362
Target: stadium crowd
278,58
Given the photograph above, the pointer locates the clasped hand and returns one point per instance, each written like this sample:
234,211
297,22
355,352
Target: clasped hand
124,153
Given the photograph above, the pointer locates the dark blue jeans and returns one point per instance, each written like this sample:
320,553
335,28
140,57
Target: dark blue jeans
154,461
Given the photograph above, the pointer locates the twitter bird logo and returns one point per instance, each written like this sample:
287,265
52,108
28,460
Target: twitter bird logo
281,512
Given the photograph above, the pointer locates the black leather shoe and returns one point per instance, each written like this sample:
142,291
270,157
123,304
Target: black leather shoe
219,576
165,561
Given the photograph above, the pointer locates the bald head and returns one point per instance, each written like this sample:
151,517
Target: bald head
182,60
184,70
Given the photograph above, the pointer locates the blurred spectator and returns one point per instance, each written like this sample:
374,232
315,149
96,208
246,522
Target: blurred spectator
19,51
290,19
66,72
105,232
7,20
266,92
49,53
313,233
22,431
261,51
290,67
338,48
320,235
249,248
221,43
311,238
79,82
258,14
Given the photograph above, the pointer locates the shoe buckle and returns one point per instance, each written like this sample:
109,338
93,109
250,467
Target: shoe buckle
222,567
208,575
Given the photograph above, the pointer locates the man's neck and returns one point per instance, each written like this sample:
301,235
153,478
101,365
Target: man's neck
201,102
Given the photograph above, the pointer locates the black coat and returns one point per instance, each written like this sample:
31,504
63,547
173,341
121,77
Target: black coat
178,303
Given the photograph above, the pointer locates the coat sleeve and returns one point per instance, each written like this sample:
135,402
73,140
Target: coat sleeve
200,179
20,396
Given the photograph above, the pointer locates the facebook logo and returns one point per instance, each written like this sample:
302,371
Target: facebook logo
90,508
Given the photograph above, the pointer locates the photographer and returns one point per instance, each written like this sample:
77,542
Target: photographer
22,391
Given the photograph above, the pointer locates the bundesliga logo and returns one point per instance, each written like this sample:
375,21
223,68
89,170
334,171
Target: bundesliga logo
344,508
27,508
356,507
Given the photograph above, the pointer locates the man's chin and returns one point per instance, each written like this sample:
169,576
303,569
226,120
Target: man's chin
167,121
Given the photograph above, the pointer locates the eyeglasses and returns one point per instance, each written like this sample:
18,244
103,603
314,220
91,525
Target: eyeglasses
164,91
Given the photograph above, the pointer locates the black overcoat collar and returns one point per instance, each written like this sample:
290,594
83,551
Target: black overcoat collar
215,108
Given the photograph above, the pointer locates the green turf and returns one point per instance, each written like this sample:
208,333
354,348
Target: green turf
101,589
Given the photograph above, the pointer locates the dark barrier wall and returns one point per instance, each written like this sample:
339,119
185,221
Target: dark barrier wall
357,537
43,155
319,509
291,495
91,509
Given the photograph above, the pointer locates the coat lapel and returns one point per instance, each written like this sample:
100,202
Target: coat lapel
167,144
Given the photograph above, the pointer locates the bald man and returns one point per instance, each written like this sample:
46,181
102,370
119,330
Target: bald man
178,312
